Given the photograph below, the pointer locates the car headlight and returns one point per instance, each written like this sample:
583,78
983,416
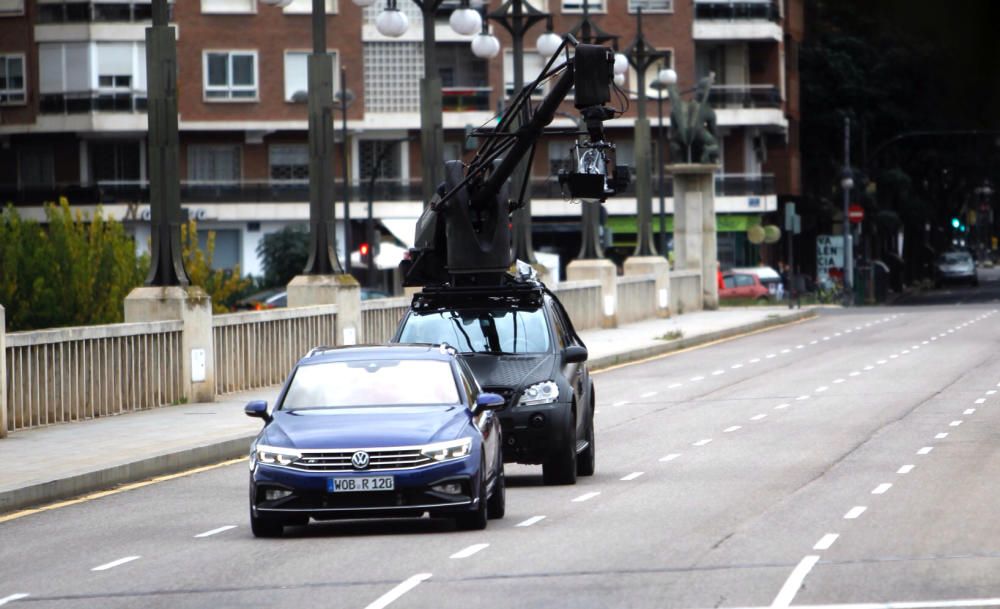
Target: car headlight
273,455
545,392
443,451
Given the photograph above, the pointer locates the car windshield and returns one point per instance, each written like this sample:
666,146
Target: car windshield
381,382
956,258
481,331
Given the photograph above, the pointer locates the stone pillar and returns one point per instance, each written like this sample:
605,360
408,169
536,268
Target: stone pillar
604,271
342,290
192,306
3,373
695,246
658,267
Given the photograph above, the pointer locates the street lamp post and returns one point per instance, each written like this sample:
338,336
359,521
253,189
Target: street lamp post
846,183
664,79
391,22
344,98
167,266
641,55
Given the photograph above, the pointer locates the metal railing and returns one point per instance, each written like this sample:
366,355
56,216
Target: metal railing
744,96
98,12
258,348
636,298
73,374
83,102
582,300
737,10
380,317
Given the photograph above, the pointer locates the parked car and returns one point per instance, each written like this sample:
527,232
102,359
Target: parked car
955,266
743,286
275,299
768,277
385,431
519,341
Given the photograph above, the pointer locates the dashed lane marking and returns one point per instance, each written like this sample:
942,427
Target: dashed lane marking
781,406
837,381
925,450
955,423
854,512
704,442
697,378
215,531
758,417
469,551
736,366
980,401
115,563
530,521
854,373
586,497
631,476
882,488
409,584
791,586
969,411
732,429
621,403
648,394
675,385
869,367
905,469
941,436
669,457
802,397
826,541
821,389
13,597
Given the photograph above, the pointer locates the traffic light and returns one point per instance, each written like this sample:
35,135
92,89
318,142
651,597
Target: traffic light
364,250
955,223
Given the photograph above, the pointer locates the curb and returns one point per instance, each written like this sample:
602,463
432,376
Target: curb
209,454
701,339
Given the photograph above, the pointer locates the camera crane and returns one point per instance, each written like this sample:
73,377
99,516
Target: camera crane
463,237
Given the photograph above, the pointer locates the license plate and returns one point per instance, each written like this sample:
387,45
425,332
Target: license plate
361,485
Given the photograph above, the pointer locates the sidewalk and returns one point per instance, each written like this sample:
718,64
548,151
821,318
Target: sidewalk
51,463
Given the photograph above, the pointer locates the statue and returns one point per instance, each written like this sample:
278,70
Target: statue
693,137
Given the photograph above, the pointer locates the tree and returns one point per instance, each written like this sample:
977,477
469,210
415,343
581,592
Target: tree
284,254
223,285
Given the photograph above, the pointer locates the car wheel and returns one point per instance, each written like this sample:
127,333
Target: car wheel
560,468
496,506
266,527
586,462
476,521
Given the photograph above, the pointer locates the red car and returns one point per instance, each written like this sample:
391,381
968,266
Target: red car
742,286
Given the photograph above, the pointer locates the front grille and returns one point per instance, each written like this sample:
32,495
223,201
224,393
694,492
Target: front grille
379,459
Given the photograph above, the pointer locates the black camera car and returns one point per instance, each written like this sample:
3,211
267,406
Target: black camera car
518,341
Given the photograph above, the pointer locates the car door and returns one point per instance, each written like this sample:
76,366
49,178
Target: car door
744,286
577,374
486,421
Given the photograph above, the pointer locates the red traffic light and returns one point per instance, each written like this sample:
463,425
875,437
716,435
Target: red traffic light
363,249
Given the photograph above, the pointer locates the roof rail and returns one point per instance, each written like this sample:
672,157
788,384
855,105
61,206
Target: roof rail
318,350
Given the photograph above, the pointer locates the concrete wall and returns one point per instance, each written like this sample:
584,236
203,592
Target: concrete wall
685,292
3,374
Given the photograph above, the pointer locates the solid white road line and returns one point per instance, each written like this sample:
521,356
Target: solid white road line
882,488
826,541
530,521
925,450
215,531
758,417
702,442
969,411
941,436
115,563
788,591
586,497
955,423
669,457
946,604
732,429
467,552
386,599
631,476
13,597
905,469
854,512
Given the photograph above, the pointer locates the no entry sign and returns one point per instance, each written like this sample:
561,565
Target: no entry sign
855,213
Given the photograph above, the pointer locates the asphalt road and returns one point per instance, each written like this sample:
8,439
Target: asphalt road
851,459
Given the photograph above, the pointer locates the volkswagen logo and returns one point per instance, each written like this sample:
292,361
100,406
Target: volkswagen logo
359,460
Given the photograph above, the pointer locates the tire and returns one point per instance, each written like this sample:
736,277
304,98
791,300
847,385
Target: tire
560,468
586,462
496,505
476,521
266,527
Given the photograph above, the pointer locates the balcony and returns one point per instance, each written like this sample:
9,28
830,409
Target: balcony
744,96
723,20
466,99
83,102
96,12
744,10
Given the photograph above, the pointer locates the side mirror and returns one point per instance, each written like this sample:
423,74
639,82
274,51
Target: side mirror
489,401
575,354
257,409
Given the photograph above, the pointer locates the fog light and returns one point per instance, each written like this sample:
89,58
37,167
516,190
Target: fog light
273,494
450,488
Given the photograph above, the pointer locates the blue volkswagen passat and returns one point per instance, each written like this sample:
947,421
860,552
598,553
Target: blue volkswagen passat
383,431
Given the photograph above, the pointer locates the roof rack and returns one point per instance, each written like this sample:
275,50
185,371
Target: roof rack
318,350
512,295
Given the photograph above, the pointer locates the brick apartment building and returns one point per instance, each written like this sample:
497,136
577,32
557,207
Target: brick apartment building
73,122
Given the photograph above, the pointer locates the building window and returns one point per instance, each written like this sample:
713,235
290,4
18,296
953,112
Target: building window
88,77
576,6
230,75
297,75
392,76
10,8
115,162
651,6
289,163
215,163
12,89
533,66
36,168
227,247
304,7
229,6
369,152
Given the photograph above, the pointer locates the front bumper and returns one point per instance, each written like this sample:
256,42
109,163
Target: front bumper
532,433
412,495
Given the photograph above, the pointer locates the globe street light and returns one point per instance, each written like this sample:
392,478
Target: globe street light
393,23
664,78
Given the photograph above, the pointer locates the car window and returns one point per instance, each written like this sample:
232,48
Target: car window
470,383
729,281
743,281
956,258
480,331
562,336
374,382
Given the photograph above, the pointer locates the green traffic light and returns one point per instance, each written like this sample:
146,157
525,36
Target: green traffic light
955,222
